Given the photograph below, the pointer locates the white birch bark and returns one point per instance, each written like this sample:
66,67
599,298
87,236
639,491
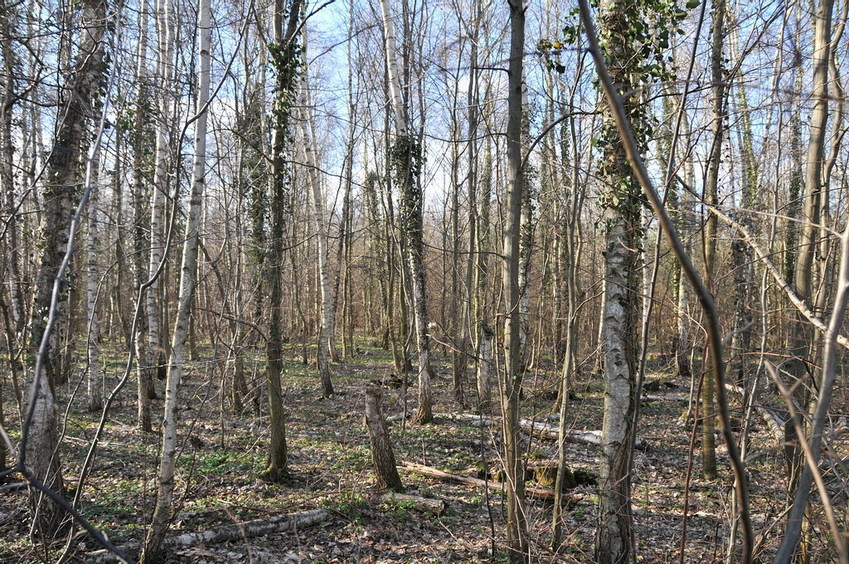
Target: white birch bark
144,382
188,281
154,356
82,95
93,377
411,221
328,309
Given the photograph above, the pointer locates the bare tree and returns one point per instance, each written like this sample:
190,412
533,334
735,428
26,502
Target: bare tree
513,354
407,163
151,552
316,197
61,197
140,142
815,191
286,60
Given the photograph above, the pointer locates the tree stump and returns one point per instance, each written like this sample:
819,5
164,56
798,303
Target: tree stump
381,446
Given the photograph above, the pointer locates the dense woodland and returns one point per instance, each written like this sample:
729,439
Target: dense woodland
423,281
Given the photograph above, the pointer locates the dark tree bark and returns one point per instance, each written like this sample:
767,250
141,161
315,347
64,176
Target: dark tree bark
381,446
61,198
286,61
517,540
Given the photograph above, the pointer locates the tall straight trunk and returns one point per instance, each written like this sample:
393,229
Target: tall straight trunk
8,100
457,323
285,58
407,163
568,258
141,245
11,297
621,303
517,534
815,193
151,552
526,237
61,197
711,195
796,178
346,224
328,308
153,359
484,331
94,375
680,210
741,253
469,321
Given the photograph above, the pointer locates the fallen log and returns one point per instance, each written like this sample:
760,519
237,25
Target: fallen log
248,529
680,398
551,432
531,491
770,417
224,533
423,504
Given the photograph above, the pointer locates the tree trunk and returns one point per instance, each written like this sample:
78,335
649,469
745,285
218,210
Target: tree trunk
151,553
484,332
94,385
286,60
517,540
141,243
61,198
11,248
710,243
153,360
469,322
569,258
621,303
407,162
381,446
803,333
328,308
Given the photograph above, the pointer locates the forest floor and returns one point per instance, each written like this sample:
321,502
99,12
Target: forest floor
222,454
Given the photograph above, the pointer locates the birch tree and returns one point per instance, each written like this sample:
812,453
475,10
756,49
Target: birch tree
152,362
83,90
407,163
151,552
316,198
